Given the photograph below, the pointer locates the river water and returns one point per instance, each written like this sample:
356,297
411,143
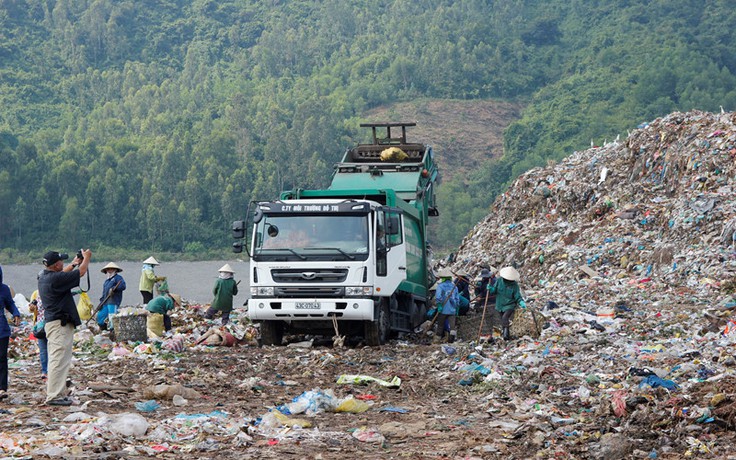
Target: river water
191,280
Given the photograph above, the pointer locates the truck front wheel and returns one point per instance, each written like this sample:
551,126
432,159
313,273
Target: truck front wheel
377,332
272,332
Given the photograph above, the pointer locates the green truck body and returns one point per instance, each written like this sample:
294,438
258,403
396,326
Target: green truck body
354,256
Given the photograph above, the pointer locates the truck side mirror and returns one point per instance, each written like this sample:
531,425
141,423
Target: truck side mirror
238,247
239,231
392,225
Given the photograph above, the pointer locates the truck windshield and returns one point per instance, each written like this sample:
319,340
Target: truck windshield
311,237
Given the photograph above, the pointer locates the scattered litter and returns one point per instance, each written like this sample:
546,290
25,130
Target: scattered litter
365,379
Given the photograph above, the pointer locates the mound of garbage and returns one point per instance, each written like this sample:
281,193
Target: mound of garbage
650,220
629,252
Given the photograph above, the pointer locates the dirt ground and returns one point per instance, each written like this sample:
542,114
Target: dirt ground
553,397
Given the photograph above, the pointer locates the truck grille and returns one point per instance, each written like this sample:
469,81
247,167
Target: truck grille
312,291
318,275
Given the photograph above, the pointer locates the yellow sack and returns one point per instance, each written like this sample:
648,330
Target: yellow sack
155,325
393,154
84,307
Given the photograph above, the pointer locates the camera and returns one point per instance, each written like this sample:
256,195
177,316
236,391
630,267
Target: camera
80,255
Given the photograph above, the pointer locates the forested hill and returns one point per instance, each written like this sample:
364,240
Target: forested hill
151,124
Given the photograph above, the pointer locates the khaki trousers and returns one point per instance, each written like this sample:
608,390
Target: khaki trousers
60,344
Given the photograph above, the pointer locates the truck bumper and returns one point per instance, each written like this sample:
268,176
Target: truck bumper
311,309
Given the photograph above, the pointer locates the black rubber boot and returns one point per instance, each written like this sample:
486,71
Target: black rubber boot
506,334
452,337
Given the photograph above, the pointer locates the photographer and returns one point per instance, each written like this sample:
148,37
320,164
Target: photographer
54,286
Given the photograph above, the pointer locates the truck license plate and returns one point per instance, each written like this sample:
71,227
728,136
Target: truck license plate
307,306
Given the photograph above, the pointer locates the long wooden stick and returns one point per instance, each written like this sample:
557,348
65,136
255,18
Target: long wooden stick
483,319
109,294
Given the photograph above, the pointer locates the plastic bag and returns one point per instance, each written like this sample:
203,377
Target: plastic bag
147,406
364,379
352,406
84,307
162,287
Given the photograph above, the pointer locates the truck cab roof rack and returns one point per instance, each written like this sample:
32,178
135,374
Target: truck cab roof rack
371,153
388,140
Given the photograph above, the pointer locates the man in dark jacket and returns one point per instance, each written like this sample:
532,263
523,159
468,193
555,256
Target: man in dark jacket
55,288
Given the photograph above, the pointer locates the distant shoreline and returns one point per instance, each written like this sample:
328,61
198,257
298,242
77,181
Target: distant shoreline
193,280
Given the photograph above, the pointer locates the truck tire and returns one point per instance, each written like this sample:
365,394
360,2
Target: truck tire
272,332
377,332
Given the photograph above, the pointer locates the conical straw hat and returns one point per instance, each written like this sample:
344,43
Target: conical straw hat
509,273
445,273
151,261
226,268
111,265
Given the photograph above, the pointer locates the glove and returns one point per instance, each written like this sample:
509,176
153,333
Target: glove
522,304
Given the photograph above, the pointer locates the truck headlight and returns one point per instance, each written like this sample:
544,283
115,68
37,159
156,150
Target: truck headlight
261,291
358,290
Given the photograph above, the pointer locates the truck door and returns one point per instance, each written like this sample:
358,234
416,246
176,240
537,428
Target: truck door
390,250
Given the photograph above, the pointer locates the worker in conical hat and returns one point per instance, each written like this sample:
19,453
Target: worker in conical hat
508,297
148,279
224,290
112,295
447,300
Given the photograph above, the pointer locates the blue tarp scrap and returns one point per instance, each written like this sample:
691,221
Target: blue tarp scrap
656,382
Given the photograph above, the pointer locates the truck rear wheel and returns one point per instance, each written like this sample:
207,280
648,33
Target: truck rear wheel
377,332
272,332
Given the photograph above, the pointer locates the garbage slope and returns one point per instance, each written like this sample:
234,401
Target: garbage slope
647,220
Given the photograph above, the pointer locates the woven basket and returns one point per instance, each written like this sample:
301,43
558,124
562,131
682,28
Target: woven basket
527,321
130,328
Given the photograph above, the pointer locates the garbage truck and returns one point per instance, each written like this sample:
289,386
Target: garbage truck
352,259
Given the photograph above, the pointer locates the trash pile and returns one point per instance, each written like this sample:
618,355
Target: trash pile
629,252
628,222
